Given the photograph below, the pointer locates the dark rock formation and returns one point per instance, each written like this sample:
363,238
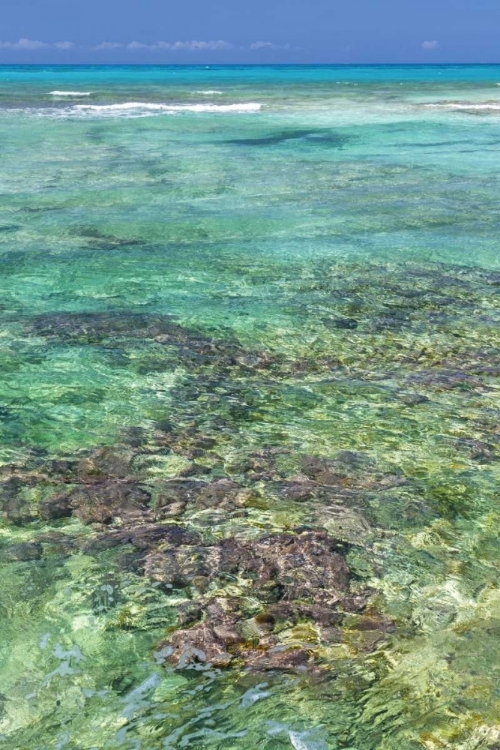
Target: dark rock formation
296,578
104,502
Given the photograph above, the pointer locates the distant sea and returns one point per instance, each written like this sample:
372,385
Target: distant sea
249,407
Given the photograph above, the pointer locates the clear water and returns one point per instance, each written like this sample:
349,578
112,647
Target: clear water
326,241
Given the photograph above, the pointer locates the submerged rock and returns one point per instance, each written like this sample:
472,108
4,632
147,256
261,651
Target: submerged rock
105,502
96,326
289,578
55,508
308,567
346,324
24,552
144,538
104,463
14,505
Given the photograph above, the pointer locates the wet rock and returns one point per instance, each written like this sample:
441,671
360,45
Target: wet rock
55,508
261,465
61,468
165,426
299,490
344,523
477,450
446,380
178,568
323,363
18,511
189,613
173,511
214,641
345,324
143,538
371,622
285,614
194,470
314,466
323,472
395,321
186,442
104,463
223,494
14,506
353,461
280,613
326,616
23,552
282,658
413,399
296,578
109,501
134,437
57,543
307,567
94,327
198,352
257,360
179,492
366,632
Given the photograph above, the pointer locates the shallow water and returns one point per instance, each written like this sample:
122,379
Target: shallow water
237,303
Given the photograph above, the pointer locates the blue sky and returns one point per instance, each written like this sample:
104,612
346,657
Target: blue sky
256,31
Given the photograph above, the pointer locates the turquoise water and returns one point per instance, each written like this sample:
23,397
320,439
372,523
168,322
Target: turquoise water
249,407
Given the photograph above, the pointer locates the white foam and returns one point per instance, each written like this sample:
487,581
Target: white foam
464,106
70,93
134,109
141,109
212,92
127,106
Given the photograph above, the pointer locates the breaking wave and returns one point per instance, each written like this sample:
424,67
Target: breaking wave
133,109
141,107
70,93
467,106
145,109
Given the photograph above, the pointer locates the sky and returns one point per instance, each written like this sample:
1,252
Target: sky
251,31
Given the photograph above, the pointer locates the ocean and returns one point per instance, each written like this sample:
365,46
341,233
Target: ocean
249,407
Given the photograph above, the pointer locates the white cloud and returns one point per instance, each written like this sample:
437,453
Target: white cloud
32,44
220,44
109,45
24,44
195,46
268,45
430,44
192,46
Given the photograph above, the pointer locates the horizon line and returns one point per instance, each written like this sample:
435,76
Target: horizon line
246,64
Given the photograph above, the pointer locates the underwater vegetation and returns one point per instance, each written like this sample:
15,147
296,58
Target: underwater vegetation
237,554
249,412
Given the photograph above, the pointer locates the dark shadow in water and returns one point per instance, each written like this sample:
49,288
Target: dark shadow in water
324,137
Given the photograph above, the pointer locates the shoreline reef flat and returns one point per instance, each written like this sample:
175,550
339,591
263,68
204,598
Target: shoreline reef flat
250,407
